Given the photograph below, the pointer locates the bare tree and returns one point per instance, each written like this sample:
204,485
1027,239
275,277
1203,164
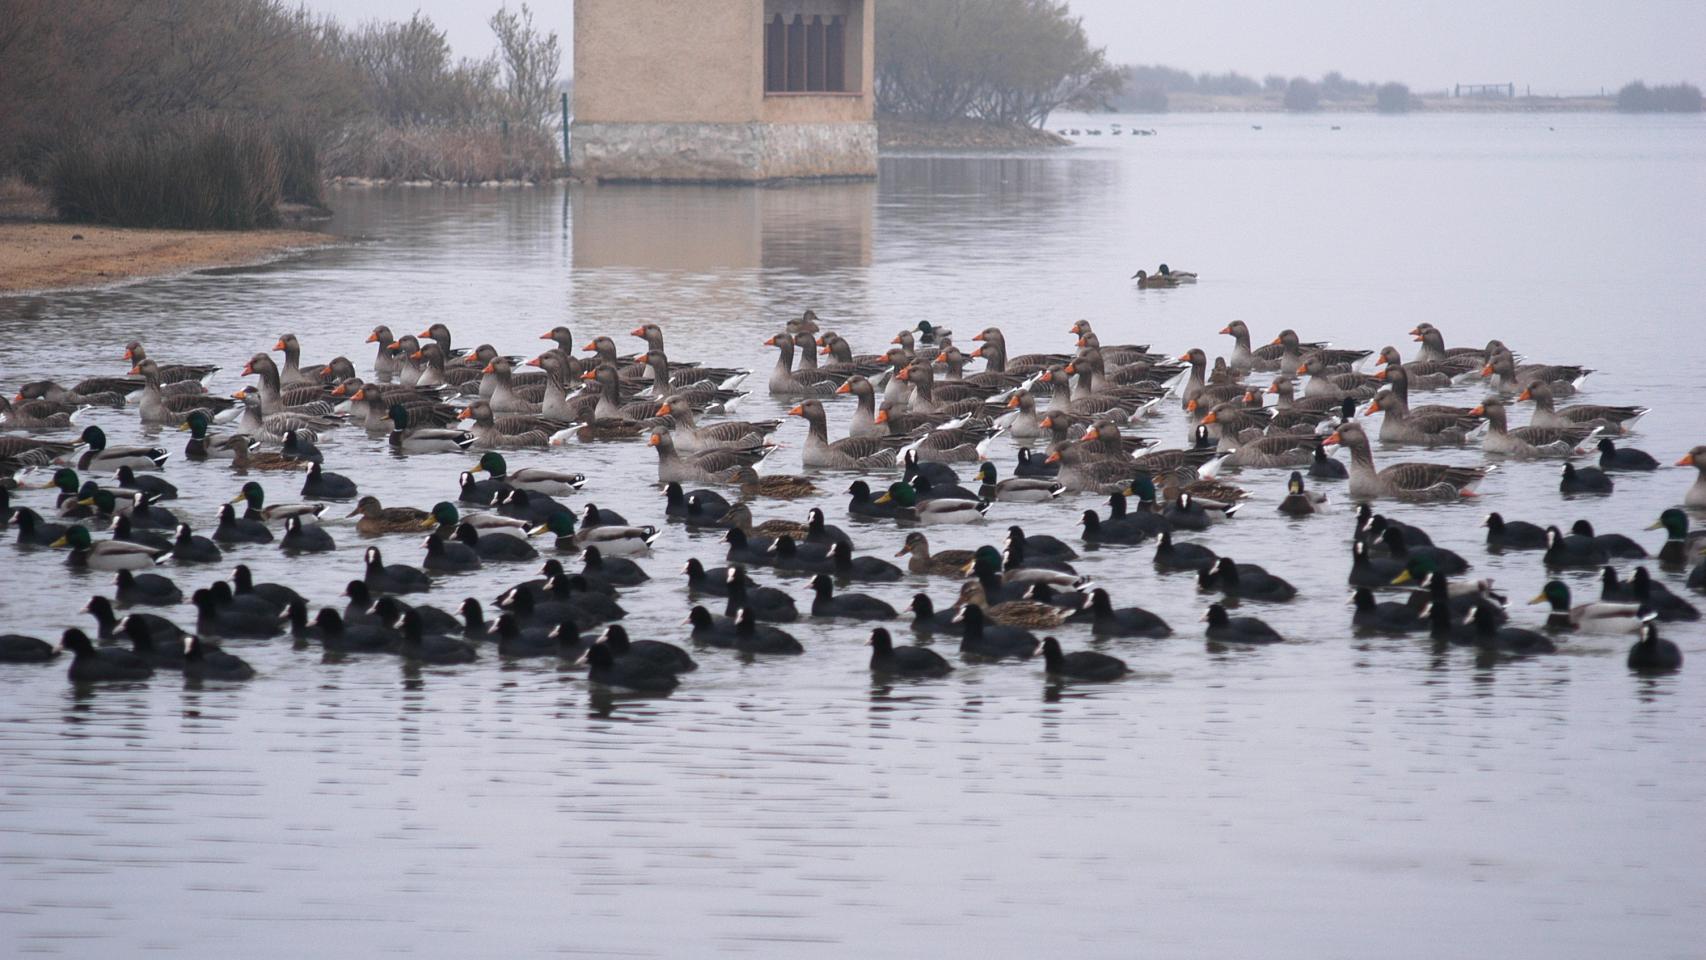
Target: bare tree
530,64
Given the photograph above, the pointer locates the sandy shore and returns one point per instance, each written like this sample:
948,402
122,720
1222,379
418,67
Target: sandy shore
58,256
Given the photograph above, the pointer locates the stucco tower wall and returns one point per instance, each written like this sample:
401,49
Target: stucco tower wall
673,90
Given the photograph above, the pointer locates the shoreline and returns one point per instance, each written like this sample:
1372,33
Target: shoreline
37,256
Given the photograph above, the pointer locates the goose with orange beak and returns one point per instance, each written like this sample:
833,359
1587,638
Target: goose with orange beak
1695,498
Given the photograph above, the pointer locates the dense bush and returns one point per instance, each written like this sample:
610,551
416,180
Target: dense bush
1006,61
140,72
1301,94
210,174
1392,98
1637,97
452,154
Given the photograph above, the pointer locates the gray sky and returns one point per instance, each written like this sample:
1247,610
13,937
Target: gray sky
1564,46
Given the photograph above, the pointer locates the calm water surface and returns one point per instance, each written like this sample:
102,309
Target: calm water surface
1337,796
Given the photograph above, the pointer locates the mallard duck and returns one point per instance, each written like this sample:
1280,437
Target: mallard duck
1019,612
100,457
615,541
947,563
256,497
377,520
944,510
1016,489
407,438
1681,547
445,518
781,486
1146,281
1300,502
109,555
1596,617
533,479
204,446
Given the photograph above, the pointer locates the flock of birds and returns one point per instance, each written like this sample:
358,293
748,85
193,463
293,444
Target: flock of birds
915,417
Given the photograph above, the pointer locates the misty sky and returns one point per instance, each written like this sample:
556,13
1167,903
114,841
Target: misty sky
1558,46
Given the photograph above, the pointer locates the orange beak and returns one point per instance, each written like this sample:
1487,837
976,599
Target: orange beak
1047,377
360,394
424,333
372,338
1330,441
1190,406
239,395
1487,370
1249,396
1686,461
895,338
819,341
415,356
533,363
663,409
590,375
326,370
642,358
128,353
1380,361
1012,401
339,390
977,336
1091,434
1381,375
904,374
591,346
844,388
1527,394
1276,341
882,416
798,410
1210,418
1479,411
1226,330
469,360
1273,388
940,357
638,332
489,368
824,351
466,414
654,440
1416,336
279,345
1185,357
248,368
1070,368
394,345
1373,408
1303,369
1047,422
1053,457
1415,331
978,352
546,336
772,342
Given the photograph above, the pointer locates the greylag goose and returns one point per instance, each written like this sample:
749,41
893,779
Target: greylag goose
785,381
493,432
1398,426
1397,377
1411,482
928,396
276,396
386,365
1426,374
996,360
1293,353
35,414
690,436
293,371
1618,420
1508,377
849,453
1529,443
93,392
1696,495
171,373
158,407
1433,348
715,465
1246,360
1324,383
989,381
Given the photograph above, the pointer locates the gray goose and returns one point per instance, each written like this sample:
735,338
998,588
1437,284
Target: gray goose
1263,359
310,399
1426,374
1433,348
1508,376
1397,377
506,395
1616,420
1696,495
1529,443
293,366
171,373
1198,389
785,381
690,436
1399,426
848,453
1325,383
157,407
386,366
35,414
989,381
1293,352
716,465
1409,482
493,432
996,360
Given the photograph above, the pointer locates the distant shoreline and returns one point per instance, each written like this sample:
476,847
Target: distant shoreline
1273,103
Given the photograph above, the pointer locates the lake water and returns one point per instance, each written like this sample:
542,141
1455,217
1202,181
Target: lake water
1335,796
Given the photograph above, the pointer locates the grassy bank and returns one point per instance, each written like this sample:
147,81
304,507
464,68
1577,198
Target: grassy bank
902,133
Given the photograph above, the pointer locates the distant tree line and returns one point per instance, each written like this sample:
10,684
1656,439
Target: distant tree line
1005,61
1637,97
96,88
1144,89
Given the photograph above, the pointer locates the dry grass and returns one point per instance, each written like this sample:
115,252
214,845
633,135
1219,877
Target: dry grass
442,154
